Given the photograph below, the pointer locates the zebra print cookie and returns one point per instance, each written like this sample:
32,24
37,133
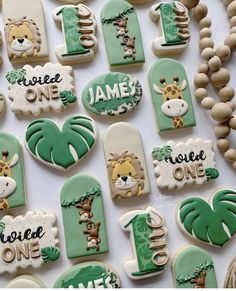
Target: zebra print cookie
112,94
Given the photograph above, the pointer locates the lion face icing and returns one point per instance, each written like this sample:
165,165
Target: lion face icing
124,174
20,37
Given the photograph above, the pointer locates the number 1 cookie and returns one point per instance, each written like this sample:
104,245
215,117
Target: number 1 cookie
174,21
25,30
83,217
127,172
79,28
148,237
122,34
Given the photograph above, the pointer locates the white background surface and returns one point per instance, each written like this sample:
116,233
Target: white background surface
43,184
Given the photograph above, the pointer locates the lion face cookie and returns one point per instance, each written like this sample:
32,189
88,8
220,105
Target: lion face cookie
125,159
25,31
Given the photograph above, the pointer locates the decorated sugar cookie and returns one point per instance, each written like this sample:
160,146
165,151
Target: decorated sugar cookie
89,275
193,268
25,281
2,104
148,237
126,165
171,95
112,94
29,240
79,28
36,89
74,2
83,217
25,31
12,189
61,147
179,164
210,222
122,34
230,281
174,21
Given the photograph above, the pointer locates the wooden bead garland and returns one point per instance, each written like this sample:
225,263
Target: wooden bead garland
211,71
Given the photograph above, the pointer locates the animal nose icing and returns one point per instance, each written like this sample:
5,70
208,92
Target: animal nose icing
124,178
20,40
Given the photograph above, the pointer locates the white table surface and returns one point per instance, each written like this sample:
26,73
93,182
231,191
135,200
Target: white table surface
44,184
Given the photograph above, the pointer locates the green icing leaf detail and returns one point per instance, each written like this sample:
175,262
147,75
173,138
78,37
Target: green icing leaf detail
67,97
96,192
110,20
211,173
52,145
2,227
50,254
162,153
15,76
204,267
208,223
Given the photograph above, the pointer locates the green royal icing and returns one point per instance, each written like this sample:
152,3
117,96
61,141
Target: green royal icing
207,222
88,275
71,27
15,76
52,145
50,254
76,190
168,69
169,24
162,153
104,96
189,264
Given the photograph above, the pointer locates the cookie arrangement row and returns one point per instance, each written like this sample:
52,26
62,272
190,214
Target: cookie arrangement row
32,240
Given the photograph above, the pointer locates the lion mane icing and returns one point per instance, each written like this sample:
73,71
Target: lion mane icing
126,175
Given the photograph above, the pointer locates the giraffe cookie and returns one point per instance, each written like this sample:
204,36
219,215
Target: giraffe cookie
171,95
82,210
25,30
148,237
122,34
193,268
12,189
174,21
79,28
180,164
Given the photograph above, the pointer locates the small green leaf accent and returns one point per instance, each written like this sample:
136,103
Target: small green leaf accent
50,254
2,227
211,173
162,153
127,11
15,76
67,97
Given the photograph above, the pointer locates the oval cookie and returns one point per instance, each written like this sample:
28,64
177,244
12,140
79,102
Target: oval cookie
25,281
89,275
193,268
61,148
112,94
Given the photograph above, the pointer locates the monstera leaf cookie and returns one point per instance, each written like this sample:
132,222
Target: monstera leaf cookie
61,148
214,222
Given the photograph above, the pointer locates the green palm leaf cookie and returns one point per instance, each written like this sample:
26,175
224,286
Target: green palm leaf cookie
15,76
214,222
61,148
162,153
67,97
50,254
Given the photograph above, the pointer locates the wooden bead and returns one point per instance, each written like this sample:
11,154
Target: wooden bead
230,41
230,155
223,52
231,10
226,94
206,42
221,131
201,93
207,54
227,2
205,32
233,21
220,78
207,103
190,3
232,122
232,30
223,145
221,112
232,105
200,11
203,68
214,63
201,80
205,22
